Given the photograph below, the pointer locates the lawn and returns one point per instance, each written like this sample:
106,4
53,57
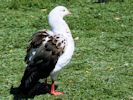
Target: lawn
102,65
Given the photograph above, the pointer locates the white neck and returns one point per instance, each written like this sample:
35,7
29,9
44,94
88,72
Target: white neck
58,25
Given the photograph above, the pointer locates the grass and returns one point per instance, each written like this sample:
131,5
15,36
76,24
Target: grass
102,66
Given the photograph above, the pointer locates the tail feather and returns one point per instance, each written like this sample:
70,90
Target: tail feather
29,80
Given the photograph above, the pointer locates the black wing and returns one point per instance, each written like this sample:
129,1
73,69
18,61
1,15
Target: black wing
42,56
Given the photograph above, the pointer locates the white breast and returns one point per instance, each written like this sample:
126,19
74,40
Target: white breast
64,58
61,27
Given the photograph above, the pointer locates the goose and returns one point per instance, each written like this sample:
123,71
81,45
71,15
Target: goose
48,52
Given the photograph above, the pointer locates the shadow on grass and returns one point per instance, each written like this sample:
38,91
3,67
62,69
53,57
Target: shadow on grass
106,1
39,89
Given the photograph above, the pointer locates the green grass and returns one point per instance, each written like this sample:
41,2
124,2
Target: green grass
102,66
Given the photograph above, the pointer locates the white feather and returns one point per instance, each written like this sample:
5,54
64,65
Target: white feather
59,26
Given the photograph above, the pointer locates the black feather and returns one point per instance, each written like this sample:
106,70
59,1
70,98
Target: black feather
41,63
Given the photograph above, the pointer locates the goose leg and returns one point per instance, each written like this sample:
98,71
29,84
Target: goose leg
53,92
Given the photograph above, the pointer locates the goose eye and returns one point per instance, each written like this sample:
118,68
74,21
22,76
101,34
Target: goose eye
63,10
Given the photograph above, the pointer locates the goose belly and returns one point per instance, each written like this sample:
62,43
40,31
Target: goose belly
66,57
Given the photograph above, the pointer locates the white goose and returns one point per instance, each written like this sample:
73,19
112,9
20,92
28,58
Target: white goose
48,51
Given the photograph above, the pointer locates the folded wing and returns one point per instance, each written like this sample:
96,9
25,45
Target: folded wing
42,55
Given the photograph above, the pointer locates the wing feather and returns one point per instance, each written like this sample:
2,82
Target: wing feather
42,55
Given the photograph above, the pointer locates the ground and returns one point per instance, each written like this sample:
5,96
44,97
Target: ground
102,65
